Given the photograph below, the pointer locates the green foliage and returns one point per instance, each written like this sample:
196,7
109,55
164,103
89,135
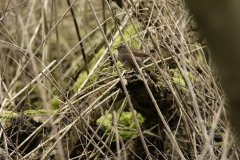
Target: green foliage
218,144
126,124
177,77
40,111
84,75
55,103
8,114
129,33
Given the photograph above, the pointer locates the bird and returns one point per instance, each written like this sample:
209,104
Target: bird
125,58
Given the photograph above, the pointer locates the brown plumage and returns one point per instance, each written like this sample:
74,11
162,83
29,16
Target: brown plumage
125,57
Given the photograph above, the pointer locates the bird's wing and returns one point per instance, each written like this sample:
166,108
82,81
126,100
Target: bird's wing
138,53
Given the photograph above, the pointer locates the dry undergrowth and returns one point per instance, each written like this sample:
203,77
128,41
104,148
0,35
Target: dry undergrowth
43,67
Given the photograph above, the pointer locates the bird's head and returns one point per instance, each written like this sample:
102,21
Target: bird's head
122,48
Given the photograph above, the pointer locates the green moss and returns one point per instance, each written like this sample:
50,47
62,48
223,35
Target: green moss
208,124
8,114
84,75
40,111
177,77
125,134
128,34
55,103
219,144
126,124
179,80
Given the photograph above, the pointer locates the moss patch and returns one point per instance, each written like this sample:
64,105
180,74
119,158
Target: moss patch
126,124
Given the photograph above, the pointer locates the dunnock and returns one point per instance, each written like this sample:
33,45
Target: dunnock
125,57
